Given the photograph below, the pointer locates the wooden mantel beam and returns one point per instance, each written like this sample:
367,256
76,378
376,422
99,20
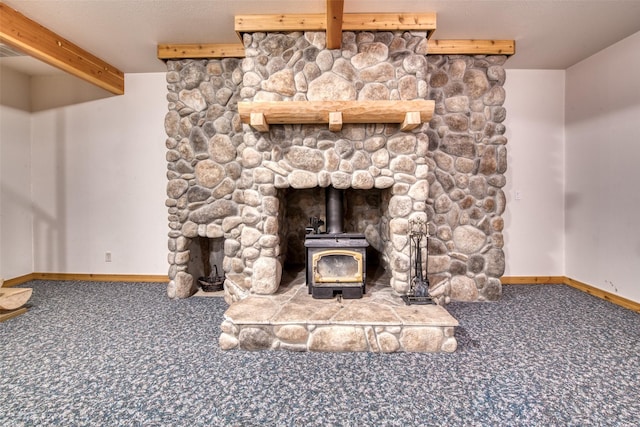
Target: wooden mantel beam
409,114
334,23
41,43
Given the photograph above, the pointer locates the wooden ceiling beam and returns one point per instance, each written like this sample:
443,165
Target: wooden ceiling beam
390,22
281,23
472,47
33,39
334,23
350,22
436,47
203,50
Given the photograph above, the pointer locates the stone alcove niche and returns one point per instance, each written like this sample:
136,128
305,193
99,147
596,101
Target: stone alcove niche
227,180
206,256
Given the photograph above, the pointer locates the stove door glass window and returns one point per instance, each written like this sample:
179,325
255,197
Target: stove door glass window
337,266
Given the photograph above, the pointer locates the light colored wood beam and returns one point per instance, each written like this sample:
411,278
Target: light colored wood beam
203,50
472,47
436,47
318,112
390,22
350,22
334,23
289,22
33,39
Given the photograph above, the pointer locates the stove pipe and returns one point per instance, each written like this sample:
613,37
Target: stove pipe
335,210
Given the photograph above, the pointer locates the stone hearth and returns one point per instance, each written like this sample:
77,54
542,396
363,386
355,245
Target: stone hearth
379,322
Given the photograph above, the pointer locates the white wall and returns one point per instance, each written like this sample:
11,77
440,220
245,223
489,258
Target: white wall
15,89
59,90
16,251
99,179
603,169
534,225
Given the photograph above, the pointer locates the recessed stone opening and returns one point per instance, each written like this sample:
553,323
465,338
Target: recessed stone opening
206,256
362,213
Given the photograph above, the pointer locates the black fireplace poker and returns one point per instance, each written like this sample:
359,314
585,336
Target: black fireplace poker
419,290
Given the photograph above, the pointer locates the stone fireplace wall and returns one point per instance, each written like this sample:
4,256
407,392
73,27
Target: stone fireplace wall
227,180
467,160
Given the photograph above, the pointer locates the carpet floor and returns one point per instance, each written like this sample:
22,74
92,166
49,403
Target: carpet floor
123,354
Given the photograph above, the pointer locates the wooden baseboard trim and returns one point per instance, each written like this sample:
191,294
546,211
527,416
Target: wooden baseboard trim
532,280
506,280
88,277
18,280
564,280
607,296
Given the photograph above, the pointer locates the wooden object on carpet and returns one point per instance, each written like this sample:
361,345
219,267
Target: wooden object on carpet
13,298
6,315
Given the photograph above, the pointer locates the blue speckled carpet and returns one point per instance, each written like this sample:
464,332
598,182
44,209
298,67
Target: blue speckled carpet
122,354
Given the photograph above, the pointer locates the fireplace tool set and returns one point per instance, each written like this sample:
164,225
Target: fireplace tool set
419,291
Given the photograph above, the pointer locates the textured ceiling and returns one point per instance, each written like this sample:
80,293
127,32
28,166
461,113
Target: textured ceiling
549,34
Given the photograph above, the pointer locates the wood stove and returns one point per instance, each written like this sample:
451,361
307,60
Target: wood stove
335,260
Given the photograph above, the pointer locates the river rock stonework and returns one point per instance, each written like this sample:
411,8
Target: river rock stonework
467,159
228,181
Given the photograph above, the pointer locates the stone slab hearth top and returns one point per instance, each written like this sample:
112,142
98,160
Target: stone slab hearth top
292,304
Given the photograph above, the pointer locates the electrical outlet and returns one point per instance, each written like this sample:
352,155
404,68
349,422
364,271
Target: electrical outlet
107,256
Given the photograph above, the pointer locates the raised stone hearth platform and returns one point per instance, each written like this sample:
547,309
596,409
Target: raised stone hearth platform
379,322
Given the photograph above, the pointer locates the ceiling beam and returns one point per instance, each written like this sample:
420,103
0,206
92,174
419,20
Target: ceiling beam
33,39
289,22
436,47
390,22
350,22
334,23
203,50
472,47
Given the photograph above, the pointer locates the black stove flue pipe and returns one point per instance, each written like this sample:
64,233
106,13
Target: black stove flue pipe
335,210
